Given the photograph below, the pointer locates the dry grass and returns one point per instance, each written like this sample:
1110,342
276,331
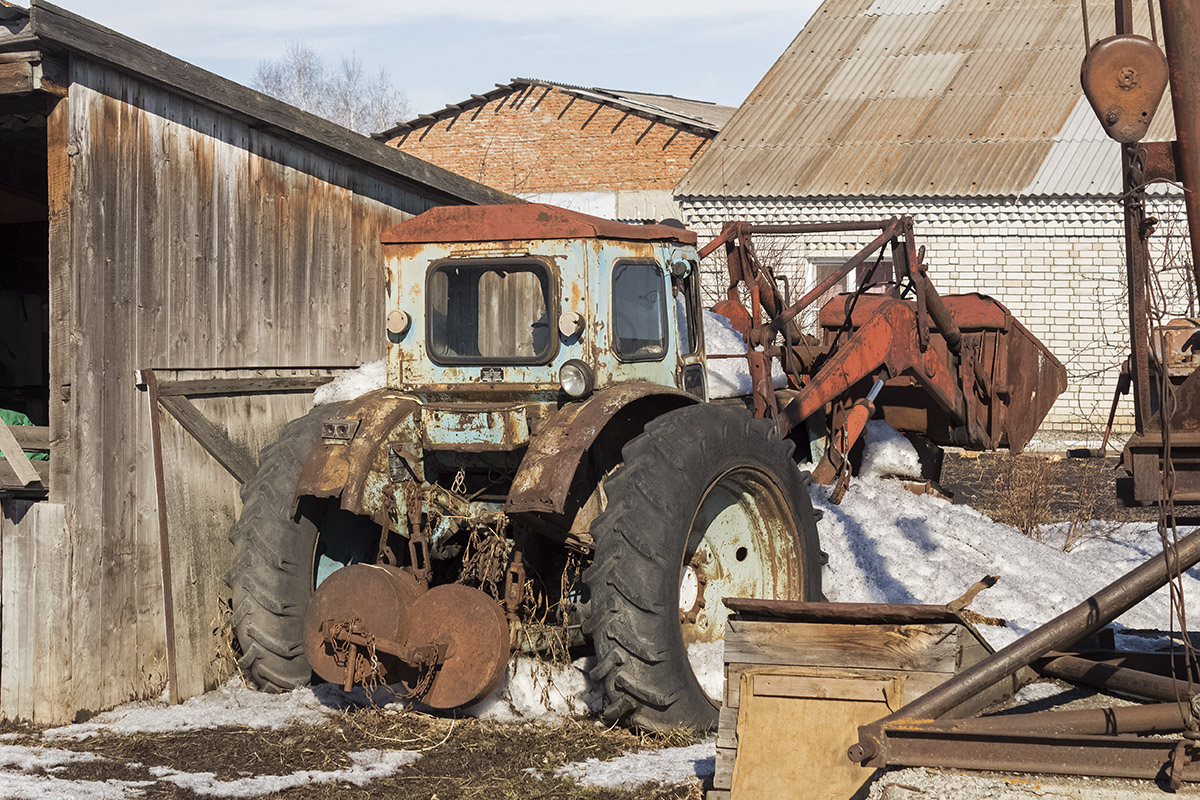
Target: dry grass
462,758
1032,492
1024,493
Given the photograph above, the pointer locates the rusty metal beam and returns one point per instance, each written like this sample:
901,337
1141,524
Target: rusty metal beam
1112,678
890,231
1073,754
1155,718
1181,35
1086,618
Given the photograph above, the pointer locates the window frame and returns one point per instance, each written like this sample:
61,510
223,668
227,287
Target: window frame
692,304
552,302
612,299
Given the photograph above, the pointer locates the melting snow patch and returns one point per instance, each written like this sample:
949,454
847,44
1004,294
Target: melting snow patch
16,782
887,545
670,766
369,765
1033,692
888,453
352,384
232,705
730,377
536,690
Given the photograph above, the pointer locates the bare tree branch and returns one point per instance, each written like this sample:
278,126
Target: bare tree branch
344,94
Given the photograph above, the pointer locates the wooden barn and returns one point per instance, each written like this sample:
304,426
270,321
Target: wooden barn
186,259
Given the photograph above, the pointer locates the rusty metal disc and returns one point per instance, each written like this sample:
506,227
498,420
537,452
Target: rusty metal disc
1124,78
475,631
380,597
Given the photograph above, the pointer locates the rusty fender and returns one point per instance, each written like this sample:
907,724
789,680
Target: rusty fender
346,467
546,473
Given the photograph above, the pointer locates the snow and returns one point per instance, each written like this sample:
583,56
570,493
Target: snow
352,384
232,704
730,377
669,766
887,545
887,452
922,783
369,765
539,691
27,773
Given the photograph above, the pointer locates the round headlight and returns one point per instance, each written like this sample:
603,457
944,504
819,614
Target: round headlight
576,378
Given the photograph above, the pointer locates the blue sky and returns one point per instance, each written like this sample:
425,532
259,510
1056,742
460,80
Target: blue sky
442,52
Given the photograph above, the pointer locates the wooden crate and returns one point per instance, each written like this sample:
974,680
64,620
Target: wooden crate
798,687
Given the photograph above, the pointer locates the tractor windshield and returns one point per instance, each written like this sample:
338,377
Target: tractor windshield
489,312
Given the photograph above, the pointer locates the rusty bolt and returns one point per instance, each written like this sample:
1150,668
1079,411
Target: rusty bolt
1127,79
1112,116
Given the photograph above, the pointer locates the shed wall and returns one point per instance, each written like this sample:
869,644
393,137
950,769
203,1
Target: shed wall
181,238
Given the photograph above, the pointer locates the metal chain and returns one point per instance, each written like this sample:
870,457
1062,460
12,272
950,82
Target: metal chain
1168,530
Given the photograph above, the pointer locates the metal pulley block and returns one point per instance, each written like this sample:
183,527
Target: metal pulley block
1124,78
370,624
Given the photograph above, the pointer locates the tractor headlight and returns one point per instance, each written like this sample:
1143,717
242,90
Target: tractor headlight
576,378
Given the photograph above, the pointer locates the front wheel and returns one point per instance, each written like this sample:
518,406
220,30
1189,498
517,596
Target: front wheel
708,504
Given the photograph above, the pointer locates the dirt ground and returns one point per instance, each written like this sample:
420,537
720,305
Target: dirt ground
462,758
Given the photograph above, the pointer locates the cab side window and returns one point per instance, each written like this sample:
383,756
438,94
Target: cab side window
639,312
684,291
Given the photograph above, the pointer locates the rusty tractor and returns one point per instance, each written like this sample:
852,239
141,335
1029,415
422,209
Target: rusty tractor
544,470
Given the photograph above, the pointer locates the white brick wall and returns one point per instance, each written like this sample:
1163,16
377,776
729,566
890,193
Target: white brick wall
1058,264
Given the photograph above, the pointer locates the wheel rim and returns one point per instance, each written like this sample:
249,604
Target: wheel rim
342,540
741,543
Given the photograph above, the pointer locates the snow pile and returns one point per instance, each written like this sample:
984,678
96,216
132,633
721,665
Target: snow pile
537,690
352,384
369,765
730,377
887,452
670,766
233,704
27,773
887,545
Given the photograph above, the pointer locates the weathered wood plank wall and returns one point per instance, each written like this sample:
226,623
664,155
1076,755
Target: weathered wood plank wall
181,237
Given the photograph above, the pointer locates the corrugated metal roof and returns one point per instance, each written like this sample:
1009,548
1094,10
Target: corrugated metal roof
923,98
697,116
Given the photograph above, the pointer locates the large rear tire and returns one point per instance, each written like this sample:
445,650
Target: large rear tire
276,547
707,504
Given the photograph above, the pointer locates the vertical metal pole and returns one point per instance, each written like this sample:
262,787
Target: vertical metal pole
1137,266
1181,32
1137,262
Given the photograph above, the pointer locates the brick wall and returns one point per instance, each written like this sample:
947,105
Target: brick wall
540,140
1058,264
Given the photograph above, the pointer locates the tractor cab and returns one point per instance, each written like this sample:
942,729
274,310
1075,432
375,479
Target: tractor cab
536,303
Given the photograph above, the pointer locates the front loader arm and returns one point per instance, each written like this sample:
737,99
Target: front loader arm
887,342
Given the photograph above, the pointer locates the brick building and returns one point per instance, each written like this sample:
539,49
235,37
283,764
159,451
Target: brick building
969,118
611,153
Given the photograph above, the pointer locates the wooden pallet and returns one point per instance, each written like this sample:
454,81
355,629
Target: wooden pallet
797,688
23,477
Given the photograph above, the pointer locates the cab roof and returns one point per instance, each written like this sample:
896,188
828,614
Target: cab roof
521,221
